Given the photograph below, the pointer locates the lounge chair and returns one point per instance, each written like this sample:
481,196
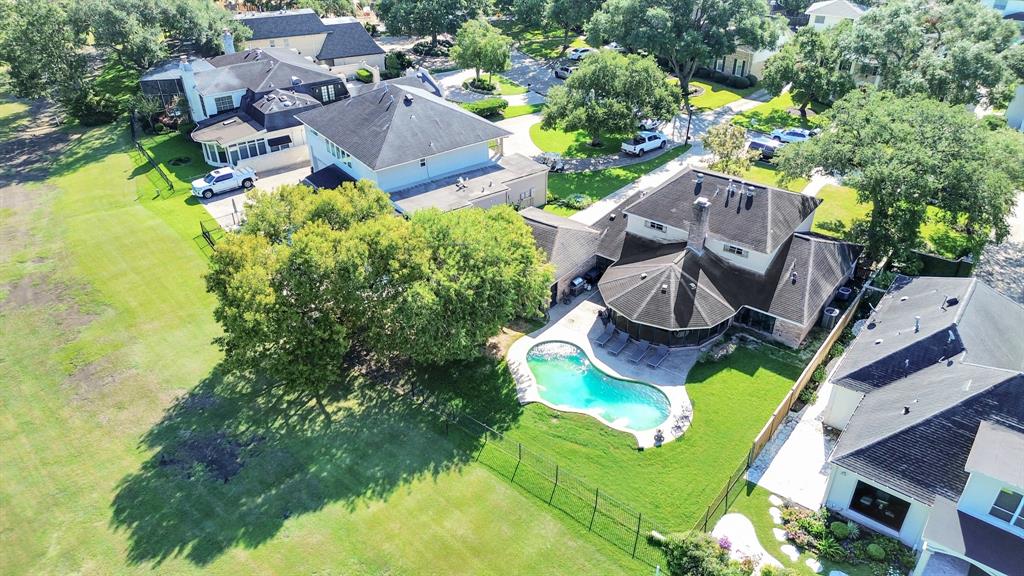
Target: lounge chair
660,353
618,343
641,349
605,337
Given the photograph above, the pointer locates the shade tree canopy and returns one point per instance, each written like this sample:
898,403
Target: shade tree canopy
955,52
904,154
480,46
311,274
569,15
685,33
428,17
728,145
609,94
813,64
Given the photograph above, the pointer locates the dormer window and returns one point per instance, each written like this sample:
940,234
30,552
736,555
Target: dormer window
654,225
1009,507
731,249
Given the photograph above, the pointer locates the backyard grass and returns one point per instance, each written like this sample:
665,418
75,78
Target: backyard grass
716,95
597,184
674,484
119,82
573,144
179,158
14,114
769,175
775,113
116,415
840,210
752,502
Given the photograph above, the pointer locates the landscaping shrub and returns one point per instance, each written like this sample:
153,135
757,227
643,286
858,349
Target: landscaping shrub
739,82
397,61
808,395
695,553
159,128
702,72
364,75
752,79
819,374
840,530
371,29
486,107
91,108
719,77
837,350
853,530
876,552
830,550
480,84
425,49
772,570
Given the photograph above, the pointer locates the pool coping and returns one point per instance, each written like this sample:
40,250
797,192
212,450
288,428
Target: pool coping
535,389
527,387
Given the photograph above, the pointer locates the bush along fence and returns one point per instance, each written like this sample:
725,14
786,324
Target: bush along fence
162,183
720,505
596,510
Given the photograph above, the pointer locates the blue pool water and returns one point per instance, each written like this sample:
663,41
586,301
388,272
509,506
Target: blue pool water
567,379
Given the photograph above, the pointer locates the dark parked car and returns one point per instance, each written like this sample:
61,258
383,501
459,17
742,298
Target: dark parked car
767,147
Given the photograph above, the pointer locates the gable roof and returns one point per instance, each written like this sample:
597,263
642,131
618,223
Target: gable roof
742,213
840,8
393,124
260,70
982,542
347,40
998,452
568,244
934,395
282,24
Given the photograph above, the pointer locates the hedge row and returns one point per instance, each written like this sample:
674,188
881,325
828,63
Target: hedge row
738,82
487,107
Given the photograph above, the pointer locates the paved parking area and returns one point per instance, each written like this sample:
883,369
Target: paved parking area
537,73
228,208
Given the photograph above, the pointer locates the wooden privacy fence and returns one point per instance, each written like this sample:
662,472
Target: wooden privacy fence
720,504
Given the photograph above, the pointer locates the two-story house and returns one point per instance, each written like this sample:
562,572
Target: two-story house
424,151
930,401
340,43
245,105
702,251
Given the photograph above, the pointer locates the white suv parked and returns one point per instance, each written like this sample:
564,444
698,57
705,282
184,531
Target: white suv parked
223,180
645,142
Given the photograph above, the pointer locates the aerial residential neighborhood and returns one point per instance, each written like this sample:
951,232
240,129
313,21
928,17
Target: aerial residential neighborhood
611,287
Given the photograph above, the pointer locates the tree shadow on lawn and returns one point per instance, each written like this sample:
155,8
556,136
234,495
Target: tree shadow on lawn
233,463
165,149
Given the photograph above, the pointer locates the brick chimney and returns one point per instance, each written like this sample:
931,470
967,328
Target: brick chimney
228,40
698,231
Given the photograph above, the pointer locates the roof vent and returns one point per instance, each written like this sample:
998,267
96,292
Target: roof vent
296,80
643,275
917,324
877,342
611,217
231,121
952,301
408,99
903,299
699,179
693,286
750,192
906,410
793,276
664,288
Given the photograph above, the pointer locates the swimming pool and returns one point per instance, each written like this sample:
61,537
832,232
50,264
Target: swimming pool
568,381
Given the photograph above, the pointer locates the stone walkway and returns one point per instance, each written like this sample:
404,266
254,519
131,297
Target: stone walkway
794,464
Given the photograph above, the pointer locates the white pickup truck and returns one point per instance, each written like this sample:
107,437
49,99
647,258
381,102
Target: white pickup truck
644,142
224,180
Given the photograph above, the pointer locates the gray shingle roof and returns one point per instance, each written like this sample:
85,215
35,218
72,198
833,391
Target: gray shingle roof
761,220
568,244
961,370
266,25
393,125
274,68
347,40
998,452
703,290
923,453
974,538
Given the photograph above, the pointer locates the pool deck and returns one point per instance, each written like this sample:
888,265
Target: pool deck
578,323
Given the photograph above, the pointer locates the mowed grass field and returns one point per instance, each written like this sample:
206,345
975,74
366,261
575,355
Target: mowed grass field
128,450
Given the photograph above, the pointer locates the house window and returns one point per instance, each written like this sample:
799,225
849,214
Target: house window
739,67
327,93
224,103
249,149
334,150
757,320
1009,507
735,250
720,64
880,506
423,162
273,43
819,19
654,225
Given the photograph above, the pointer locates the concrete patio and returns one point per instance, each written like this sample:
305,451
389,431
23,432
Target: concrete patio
578,323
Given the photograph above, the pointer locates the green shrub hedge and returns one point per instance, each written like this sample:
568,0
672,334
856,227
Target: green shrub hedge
486,107
364,75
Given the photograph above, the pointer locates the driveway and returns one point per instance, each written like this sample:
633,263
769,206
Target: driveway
537,74
520,142
229,208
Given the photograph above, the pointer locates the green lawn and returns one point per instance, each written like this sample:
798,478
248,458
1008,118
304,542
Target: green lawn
180,159
673,485
599,183
769,175
539,43
573,144
14,114
119,82
717,95
521,110
752,502
116,412
775,114
506,87
840,209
